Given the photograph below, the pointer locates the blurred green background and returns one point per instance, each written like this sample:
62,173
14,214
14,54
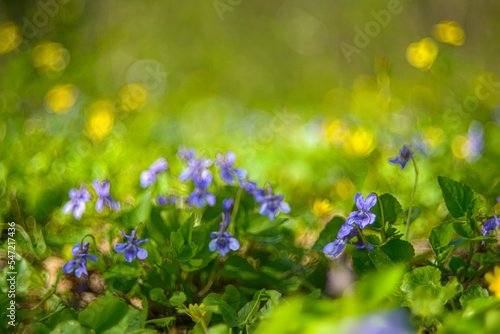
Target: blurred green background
101,89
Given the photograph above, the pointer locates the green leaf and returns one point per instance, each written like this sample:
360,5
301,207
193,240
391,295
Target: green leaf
473,292
177,299
388,207
459,198
484,258
361,262
428,276
183,251
261,225
329,233
380,259
103,313
457,264
443,253
441,235
70,327
373,240
165,321
399,251
228,313
158,295
232,296
463,230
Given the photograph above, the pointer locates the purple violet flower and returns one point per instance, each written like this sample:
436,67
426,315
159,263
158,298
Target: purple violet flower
335,248
103,196
363,217
130,249
148,177
347,231
79,264
77,202
200,196
272,204
223,242
404,156
185,153
195,168
490,225
228,172
252,189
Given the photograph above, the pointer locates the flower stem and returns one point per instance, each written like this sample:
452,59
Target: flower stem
412,199
382,230
235,209
362,237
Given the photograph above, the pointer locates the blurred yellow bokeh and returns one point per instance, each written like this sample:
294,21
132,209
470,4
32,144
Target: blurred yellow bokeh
345,189
133,96
422,54
460,147
100,120
10,37
361,142
322,207
449,32
493,280
336,132
61,98
50,56
434,136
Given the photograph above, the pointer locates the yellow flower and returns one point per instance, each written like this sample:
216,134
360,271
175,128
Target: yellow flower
49,56
10,37
133,96
361,142
100,120
61,98
321,208
493,280
195,314
449,32
422,54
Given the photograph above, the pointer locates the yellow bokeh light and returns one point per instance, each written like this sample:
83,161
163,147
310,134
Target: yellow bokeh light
61,98
361,142
101,119
460,147
345,189
422,54
434,136
10,37
133,96
493,280
449,32
50,56
335,132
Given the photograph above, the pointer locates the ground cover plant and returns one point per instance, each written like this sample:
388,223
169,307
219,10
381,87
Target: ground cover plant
207,174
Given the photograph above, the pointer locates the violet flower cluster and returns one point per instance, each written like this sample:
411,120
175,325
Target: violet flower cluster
270,204
361,218
79,198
